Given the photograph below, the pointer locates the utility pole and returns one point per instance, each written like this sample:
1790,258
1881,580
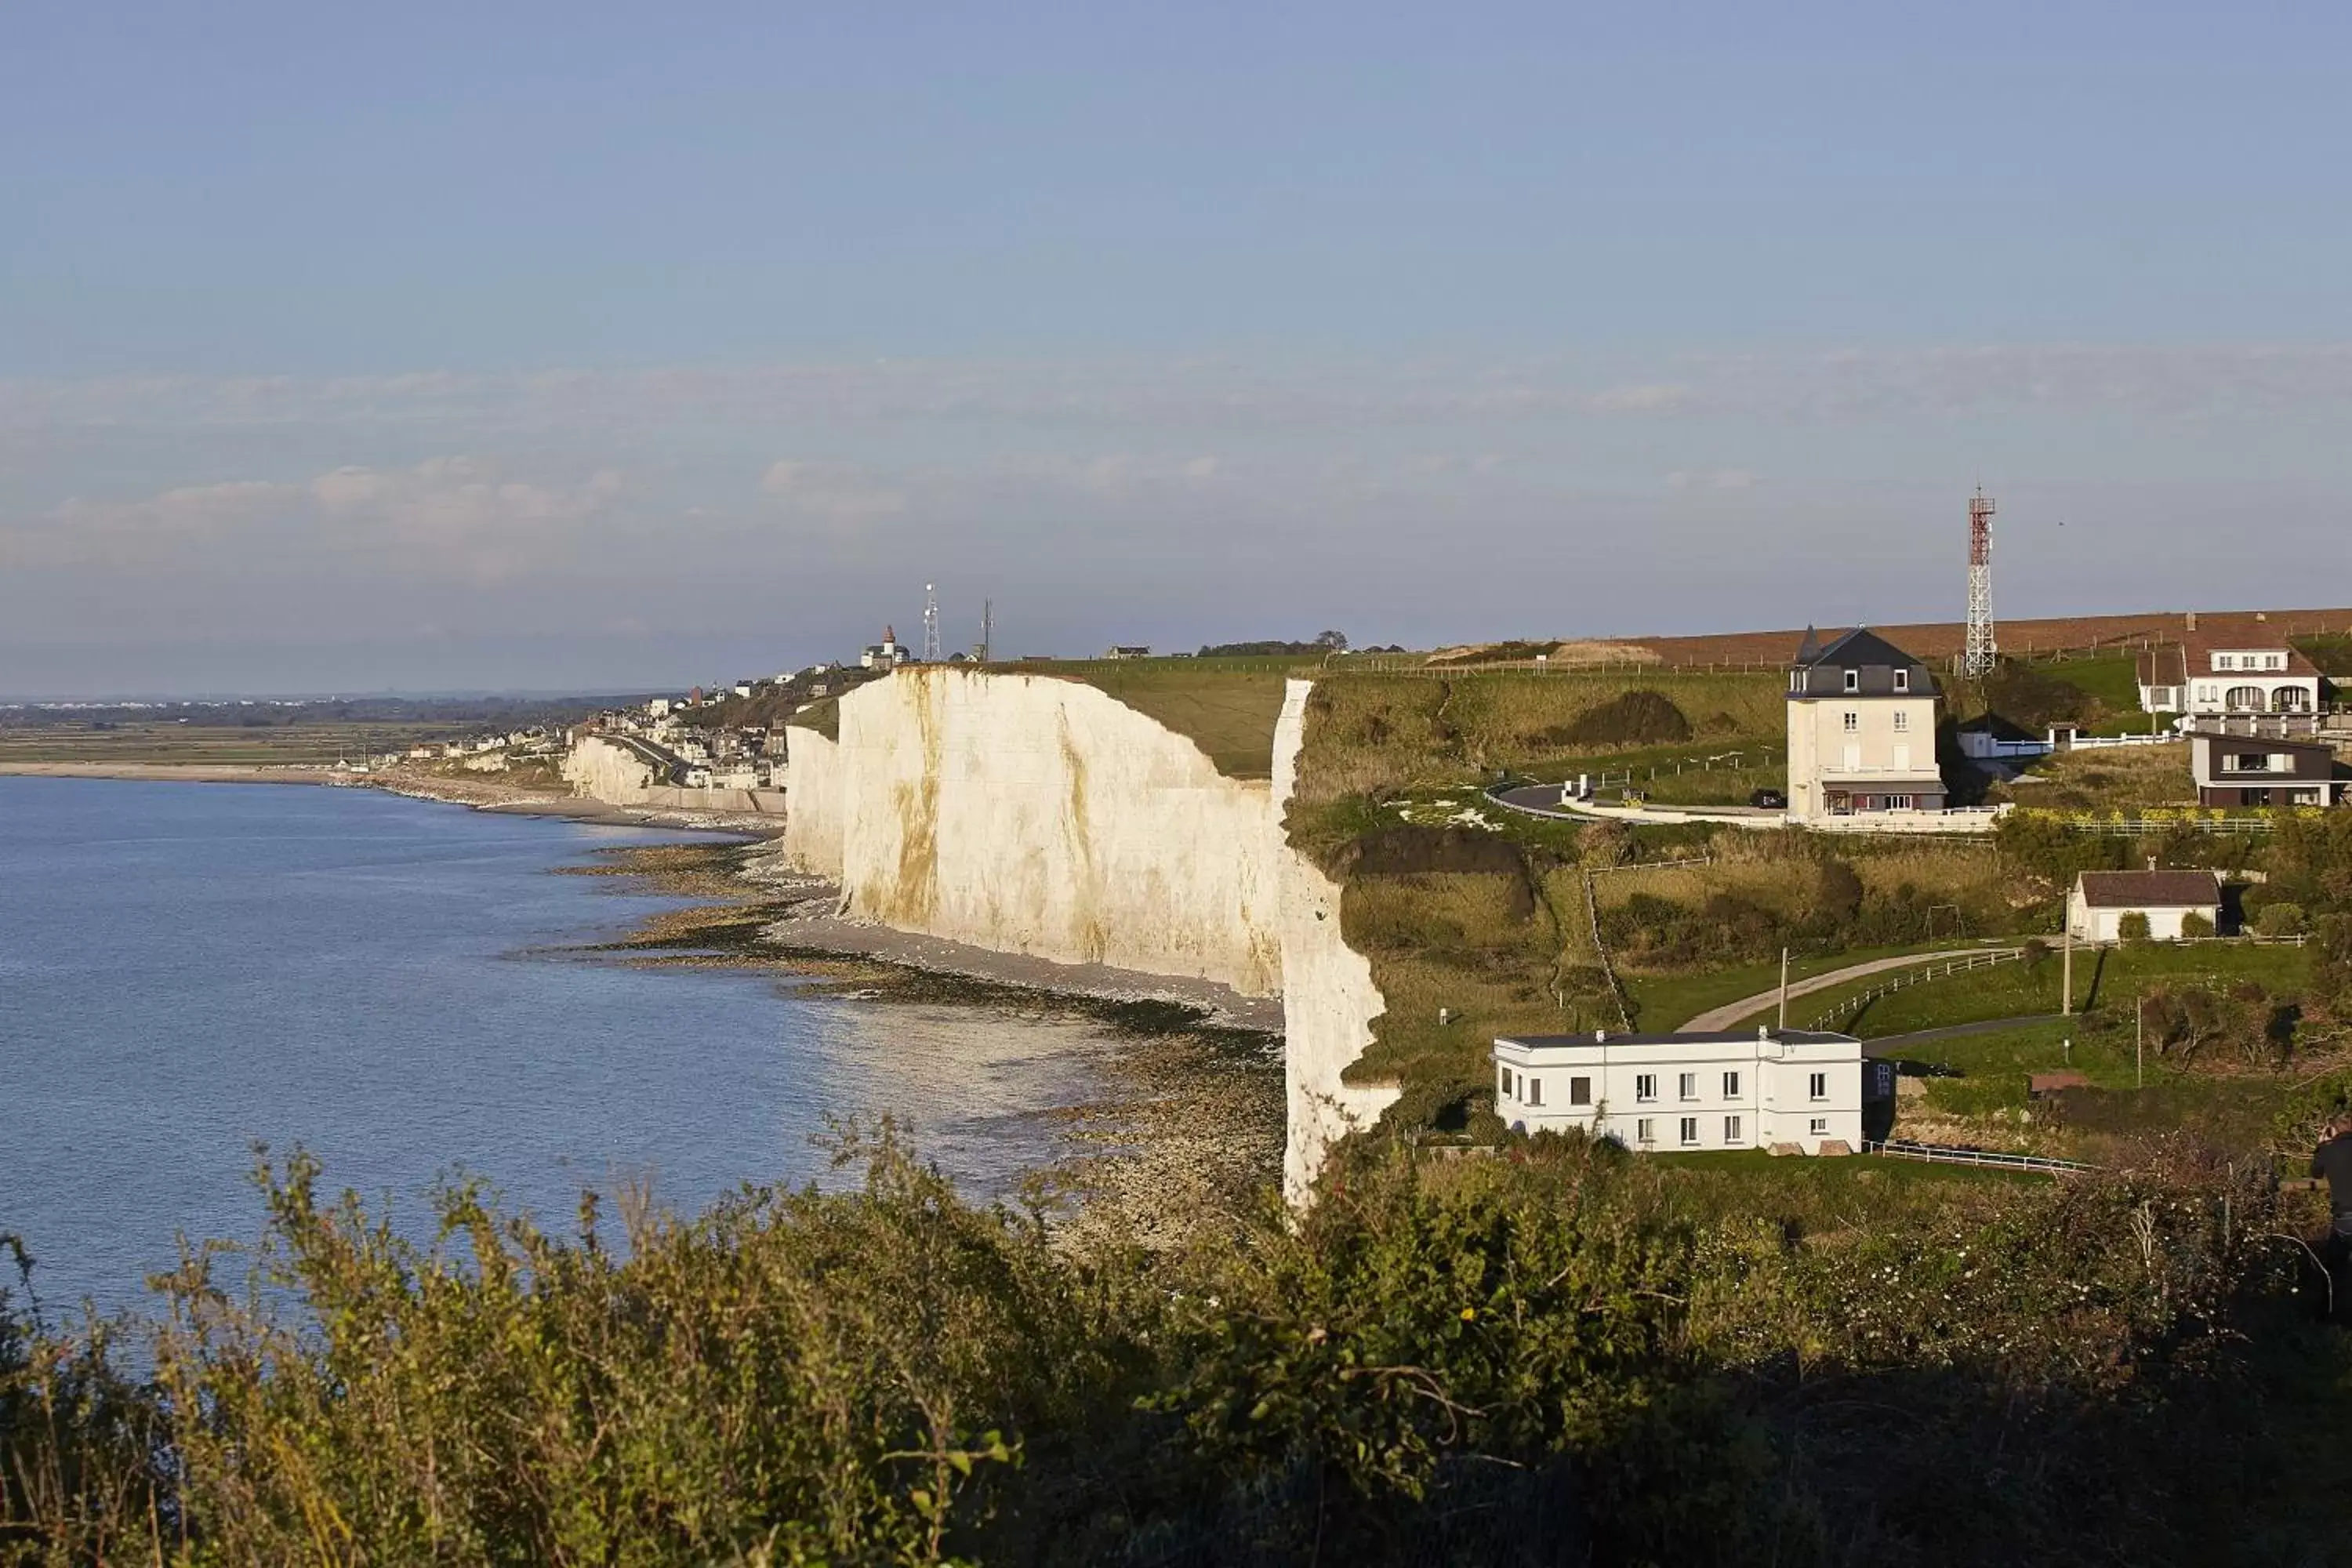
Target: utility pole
987,627
930,624
2139,1041
1784,990
2066,976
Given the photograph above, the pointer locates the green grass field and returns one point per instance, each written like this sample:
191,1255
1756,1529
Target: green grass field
2104,977
1669,1001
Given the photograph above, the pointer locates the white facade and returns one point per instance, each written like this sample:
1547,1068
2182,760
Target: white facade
2086,921
1662,1093
1857,753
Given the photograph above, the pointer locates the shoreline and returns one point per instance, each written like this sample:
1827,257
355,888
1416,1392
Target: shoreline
1192,1126
482,794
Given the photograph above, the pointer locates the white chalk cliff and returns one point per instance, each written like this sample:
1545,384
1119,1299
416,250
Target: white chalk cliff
1031,814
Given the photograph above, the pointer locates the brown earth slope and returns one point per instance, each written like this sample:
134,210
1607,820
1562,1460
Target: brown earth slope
1942,639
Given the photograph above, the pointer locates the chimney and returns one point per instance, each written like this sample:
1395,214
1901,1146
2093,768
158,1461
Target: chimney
1763,1031
1600,1036
2151,862
2192,620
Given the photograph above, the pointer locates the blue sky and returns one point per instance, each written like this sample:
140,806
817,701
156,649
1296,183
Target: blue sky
524,344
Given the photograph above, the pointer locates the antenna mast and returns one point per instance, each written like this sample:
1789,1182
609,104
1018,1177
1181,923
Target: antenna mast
987,627
930,625
1977,657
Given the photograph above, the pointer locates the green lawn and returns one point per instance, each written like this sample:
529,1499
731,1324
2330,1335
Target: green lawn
2105,977
1668,1001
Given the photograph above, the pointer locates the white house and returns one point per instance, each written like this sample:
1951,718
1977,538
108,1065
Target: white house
1720,1089
2100,900
1862,730
2206,675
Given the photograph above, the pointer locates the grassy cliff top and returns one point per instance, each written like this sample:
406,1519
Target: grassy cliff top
1224,706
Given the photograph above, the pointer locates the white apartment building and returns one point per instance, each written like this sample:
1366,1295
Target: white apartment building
1661,1093
1862,730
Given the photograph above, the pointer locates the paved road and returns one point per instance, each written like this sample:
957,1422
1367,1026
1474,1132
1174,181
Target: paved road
1730,1012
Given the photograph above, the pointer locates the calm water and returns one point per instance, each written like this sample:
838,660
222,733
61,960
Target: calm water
185,969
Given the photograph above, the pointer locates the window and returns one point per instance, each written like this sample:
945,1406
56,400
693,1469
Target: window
1853,680
2274,661
1902,680
1818,1085
1902,723
1796,680
1645,1085
1731,1130
1896,803
2225,661
1820,1127
1731,1086
1690,1129
1853,721
1534,1092
1645,1130
1503,1082
1687,1086
2248,698
1580,1091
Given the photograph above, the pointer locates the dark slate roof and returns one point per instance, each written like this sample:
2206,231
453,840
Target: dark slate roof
1859,646
1818,668
2151,890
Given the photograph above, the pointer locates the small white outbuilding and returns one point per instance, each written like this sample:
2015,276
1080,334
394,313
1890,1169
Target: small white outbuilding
2100,900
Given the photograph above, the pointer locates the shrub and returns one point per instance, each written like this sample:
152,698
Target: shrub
1638,718
2033,952
2280,919
1837,893
2193,924
2133,927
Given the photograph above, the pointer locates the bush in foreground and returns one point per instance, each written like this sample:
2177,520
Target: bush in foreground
1562,1354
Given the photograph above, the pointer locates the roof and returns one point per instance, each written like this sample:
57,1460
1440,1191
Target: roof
2151,890
1693,1037
2267,740
2195,650
1859,646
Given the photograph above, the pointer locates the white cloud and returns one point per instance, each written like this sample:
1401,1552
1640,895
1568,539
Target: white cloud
449,517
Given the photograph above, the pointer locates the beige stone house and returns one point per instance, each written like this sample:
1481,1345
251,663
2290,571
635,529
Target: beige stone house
1862,730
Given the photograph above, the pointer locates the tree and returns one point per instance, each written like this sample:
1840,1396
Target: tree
1335,641
2133,927
2193,924
2279,920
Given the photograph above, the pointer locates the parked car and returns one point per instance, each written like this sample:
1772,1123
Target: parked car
1768,800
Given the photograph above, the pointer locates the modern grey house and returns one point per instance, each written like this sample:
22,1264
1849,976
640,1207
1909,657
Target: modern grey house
2263,770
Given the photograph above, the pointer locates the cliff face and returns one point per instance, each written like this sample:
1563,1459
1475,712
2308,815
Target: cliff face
1035,815
607,771
1328,1000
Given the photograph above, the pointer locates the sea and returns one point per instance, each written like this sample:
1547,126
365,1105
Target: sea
189,973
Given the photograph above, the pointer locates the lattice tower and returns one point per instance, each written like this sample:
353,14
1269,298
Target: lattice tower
1978,654
930,625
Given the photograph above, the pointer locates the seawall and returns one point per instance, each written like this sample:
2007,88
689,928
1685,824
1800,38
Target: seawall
1031,814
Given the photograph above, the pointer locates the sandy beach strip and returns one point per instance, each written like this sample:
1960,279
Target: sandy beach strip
480,794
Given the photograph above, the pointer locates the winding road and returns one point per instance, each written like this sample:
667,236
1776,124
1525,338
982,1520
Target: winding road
1730,1012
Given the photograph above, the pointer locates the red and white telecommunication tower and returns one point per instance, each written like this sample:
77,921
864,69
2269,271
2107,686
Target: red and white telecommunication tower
1977,656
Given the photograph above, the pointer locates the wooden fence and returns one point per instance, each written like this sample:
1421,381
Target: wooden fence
1906,978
